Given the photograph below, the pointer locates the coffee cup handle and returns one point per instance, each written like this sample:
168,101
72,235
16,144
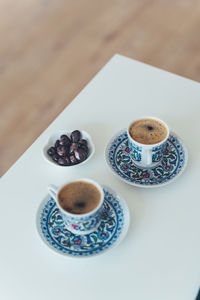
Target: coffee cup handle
52,190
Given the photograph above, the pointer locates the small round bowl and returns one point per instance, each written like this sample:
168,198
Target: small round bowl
57,135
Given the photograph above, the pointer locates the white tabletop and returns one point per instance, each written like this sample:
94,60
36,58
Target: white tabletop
159,258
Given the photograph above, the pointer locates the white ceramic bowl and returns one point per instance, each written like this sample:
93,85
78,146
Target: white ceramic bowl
56,136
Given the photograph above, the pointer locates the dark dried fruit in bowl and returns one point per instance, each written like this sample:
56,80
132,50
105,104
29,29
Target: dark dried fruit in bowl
62,161
75,136
73,159
65,140
51,151
80,154
55,157
83,142
69,151
85,148
73,147
57,143
61,150
64,136
67,161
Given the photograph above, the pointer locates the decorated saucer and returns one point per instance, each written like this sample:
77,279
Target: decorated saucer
111,231
172,165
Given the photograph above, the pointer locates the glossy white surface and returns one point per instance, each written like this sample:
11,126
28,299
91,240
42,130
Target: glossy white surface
159,258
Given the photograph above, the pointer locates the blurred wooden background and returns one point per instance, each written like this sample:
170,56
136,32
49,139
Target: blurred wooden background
50,50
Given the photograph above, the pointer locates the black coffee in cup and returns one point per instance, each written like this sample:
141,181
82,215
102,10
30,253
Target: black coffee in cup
79,197
148,131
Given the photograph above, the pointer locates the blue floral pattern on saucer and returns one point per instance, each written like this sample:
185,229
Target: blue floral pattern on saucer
173,162
112,228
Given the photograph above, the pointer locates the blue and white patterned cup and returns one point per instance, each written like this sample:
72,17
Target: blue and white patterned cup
147,155
80,223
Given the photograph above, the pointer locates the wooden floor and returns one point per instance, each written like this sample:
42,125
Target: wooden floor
50,50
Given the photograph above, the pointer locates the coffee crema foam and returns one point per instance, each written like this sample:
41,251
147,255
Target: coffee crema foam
79,197
148,131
